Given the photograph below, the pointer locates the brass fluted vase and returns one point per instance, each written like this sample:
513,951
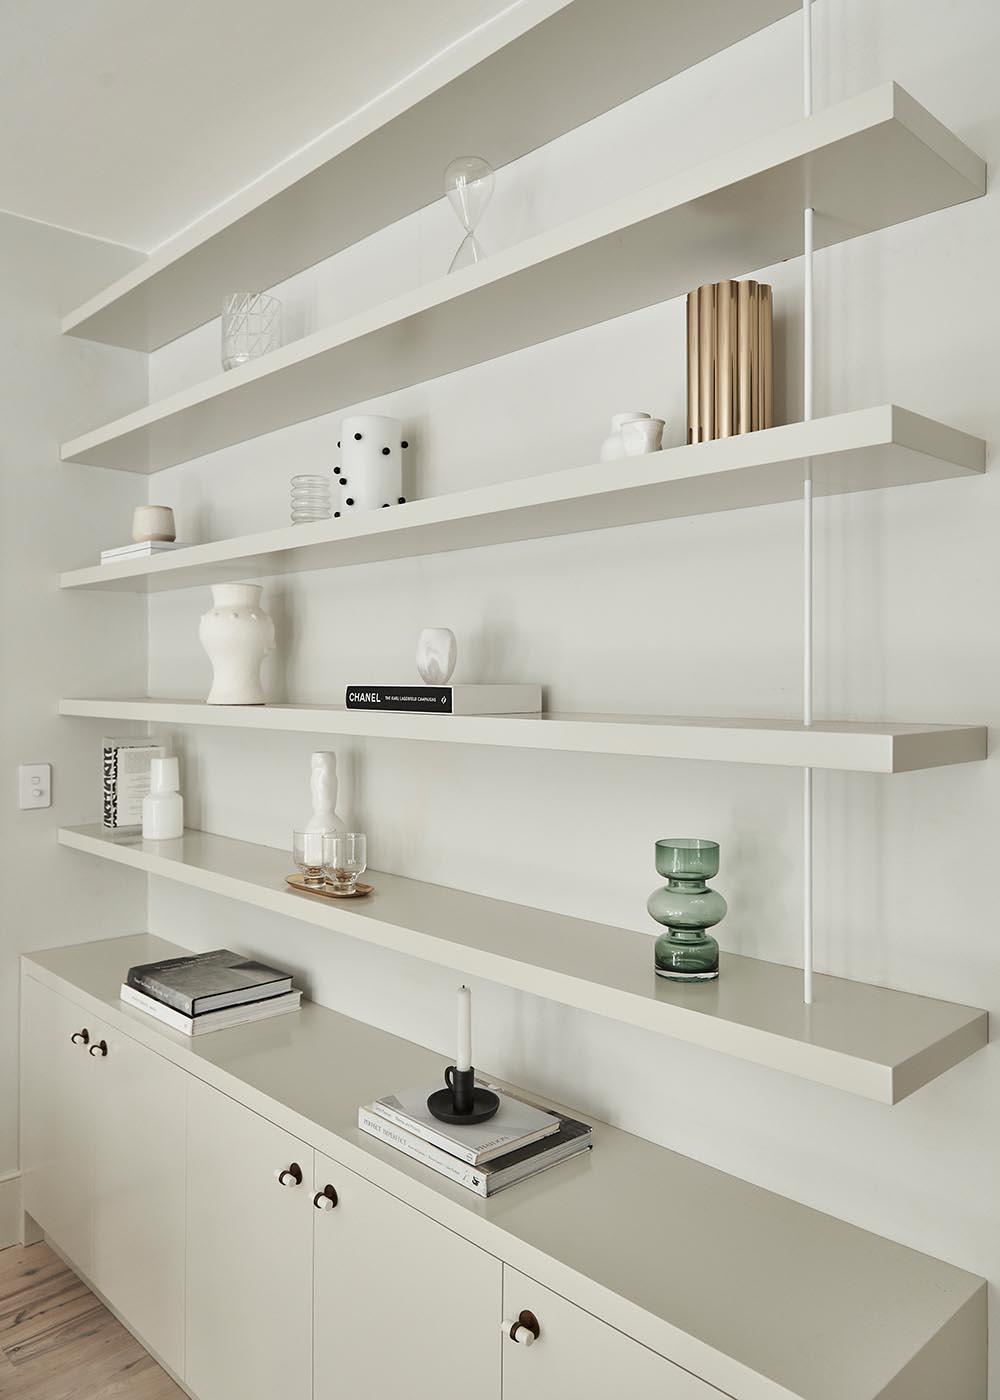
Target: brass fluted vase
730,359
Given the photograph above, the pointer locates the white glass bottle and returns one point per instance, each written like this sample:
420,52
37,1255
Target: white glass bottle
163,807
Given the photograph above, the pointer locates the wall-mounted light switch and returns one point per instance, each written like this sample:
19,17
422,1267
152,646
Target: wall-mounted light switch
34,785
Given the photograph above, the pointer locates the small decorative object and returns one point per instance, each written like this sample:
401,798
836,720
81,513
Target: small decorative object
125,769
163,806
307,852
642,435
462,1100
345,857
469,182
298,882
153,523
686,953
613,445
251,326
237,634
437,652
323,785
311,499
371,465
730,360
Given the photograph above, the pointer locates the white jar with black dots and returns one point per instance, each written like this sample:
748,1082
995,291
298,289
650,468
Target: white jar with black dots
370,476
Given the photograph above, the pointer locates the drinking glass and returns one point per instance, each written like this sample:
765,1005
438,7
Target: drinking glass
251,326
345,857
307,850
311,499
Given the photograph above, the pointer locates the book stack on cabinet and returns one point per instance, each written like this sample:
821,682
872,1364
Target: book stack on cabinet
209,991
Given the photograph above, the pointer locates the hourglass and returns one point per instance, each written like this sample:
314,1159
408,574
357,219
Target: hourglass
468,183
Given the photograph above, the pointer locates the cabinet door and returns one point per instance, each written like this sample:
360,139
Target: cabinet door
402,1305
57,1131
249,1255
578,1355
138,1195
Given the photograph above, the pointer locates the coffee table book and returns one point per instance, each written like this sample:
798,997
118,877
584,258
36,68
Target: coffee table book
447,699
515,1124
211,1020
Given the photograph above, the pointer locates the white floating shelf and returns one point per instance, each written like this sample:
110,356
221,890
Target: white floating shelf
875,447
875,160
495,87
867,1040
851,747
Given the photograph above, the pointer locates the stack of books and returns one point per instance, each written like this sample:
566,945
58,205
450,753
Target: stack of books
518,1142
145,550
209,991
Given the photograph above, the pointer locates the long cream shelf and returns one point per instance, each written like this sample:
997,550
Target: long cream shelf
875,160
494,88
866,1040
845,745
864,450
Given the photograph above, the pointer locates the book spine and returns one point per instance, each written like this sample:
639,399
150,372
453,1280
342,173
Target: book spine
427,1134
420,1151
156,991
424,698
166,1014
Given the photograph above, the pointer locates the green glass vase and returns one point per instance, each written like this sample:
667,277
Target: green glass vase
687,907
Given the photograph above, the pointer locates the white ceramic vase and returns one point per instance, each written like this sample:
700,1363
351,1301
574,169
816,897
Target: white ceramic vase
153,523
642,435
370,476
323,785
437,652
237,634
613,445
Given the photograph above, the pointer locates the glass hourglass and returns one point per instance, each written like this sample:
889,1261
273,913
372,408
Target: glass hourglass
469,182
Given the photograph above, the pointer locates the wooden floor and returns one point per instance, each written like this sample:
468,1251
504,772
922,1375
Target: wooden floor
57,1342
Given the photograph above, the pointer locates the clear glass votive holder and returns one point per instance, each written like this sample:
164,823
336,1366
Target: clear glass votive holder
345,857
251,326
307,850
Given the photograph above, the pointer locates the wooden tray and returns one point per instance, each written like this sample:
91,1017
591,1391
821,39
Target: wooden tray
298,882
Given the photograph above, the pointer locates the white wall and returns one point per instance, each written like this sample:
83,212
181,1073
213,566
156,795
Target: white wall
50,644
691,616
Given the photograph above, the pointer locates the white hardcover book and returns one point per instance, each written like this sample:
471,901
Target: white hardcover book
421,1151
145,549
210,1020
515,1124
447,699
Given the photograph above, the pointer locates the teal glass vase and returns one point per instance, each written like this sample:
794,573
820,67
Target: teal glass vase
687,907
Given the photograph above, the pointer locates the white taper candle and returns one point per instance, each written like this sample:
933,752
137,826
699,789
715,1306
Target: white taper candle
463,1060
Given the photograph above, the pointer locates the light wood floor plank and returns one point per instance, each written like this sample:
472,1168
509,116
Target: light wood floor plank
59,1342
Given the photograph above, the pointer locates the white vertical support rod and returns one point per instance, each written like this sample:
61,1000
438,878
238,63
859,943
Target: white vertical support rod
807,534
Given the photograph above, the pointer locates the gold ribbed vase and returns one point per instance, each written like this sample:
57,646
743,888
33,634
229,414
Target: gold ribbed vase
730,359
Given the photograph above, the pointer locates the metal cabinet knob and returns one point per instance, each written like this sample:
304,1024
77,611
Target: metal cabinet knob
290,1175
524,1329
81,1037
325,1199
99,1049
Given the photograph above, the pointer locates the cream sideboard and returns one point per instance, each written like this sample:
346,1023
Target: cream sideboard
217,1193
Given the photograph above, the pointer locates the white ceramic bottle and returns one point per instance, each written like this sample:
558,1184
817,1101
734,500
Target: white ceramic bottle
237,634
163,806
323,785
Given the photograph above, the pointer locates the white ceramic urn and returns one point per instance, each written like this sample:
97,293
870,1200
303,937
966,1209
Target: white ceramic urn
437,652
237,634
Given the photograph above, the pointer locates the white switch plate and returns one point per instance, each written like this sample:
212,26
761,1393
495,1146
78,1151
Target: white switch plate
34,785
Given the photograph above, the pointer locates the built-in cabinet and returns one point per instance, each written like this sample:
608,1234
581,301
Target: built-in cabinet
254,1266
103,1161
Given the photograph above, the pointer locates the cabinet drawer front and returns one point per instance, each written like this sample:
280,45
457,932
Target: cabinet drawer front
249,1255
58,1083
403,1306
578,1355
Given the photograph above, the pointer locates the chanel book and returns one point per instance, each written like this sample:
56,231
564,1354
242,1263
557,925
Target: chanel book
206,982
447,699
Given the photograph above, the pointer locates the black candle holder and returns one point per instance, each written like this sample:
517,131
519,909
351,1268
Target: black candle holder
462,1100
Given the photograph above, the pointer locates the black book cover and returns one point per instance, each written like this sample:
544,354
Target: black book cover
428,698
208,981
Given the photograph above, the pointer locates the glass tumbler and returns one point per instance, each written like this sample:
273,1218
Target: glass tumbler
307,849
251,326
311,499
345,858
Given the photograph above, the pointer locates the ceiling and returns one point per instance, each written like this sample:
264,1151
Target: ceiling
129,119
